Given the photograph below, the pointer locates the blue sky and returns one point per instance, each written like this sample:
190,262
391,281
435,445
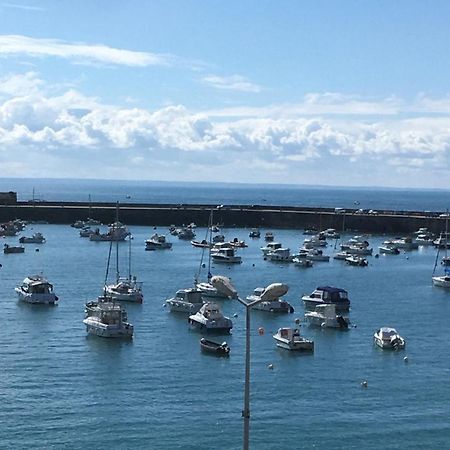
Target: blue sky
352,93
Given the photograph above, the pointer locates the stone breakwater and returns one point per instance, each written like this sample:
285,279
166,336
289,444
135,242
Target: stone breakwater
242,216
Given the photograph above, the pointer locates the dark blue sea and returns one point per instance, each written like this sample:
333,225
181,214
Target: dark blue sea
60,388
227,193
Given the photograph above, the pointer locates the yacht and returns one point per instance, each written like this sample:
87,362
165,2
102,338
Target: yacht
442,280
405,243
186,301
290,339
341,255
326,295
37,238
270,247
186,234
313,254
271,303
36,289
325,316
388,248
388,338
107,319
210,318
218,288
301,260
116,232
225,254
354,260
280,255
157,242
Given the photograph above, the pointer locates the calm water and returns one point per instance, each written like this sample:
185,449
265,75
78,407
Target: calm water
62,389
221,193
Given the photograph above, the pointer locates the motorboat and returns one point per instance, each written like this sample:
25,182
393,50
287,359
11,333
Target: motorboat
157,242
86,232
313,254
314,242
442,280
254,233
405,243
36,289
186,234
443,241
331,233
187,300
271,302
210,318
269,236
326,295
202,244
341,255
357,249
7,249
218,238
107,319
238,243
270,247
388,338
125,290
225,255
445,261
354,260
280,255
388,249
215,348
37,238
290,339
325,316
310,231
86,223
301,260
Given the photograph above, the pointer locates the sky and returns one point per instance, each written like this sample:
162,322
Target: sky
339,93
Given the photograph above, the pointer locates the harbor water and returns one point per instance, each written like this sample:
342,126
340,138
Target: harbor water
63,389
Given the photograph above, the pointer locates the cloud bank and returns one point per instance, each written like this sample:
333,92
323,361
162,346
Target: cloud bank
72,135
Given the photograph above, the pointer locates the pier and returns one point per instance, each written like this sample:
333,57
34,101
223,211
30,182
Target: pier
241,216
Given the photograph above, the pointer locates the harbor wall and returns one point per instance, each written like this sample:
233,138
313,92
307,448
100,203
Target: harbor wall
242,216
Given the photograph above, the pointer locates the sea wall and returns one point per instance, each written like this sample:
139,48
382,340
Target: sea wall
229,215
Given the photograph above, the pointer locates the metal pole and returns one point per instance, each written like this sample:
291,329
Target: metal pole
246,411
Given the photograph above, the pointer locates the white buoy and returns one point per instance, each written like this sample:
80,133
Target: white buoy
364,384
405,359
235,315
270,366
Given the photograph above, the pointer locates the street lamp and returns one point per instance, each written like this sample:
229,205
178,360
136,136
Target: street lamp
225,285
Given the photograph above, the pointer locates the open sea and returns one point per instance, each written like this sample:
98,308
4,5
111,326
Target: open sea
60,388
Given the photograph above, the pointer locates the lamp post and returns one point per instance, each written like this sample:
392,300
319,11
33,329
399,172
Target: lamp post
226,286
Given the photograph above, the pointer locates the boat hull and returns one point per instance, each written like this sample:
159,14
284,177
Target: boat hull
97,328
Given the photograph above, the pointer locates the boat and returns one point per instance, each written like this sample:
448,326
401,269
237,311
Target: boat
313,254
126,289
354,260
445,261
341,255
388,338
326,295
37,238
325,316
186,234
301,260
280,255
444,279
36,289
271,299
331,233
210,318
220,349
290,339
254,233
202,244
405,243
117,231
217,288
218,238
107,319
86,232
269,237
157,242
8,249
270,247
238,243
310,231
389,249
225,254
187,300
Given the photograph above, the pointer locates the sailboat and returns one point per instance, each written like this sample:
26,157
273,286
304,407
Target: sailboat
105,317
442,280
126,289
210,291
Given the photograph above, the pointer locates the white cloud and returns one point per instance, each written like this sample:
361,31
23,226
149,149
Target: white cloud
79,52
22,7
174,143
231,83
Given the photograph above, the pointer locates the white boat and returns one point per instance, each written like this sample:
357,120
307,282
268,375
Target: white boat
389,249
300,260
388,338
238,243
325,295
341,255
117,232
280,255
37,238
157,242
186,301
86,232
357,249
272,302
290,339
107,319
314,242
405,243
36,289
186,234
354,260
254,233
313,254
202,244
210,318
444,279
125,290
225,255
217,288
270,247
325,316
331,233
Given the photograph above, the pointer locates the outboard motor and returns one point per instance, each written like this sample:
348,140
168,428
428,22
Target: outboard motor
342,322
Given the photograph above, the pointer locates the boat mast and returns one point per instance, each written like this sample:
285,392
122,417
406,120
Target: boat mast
115,237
